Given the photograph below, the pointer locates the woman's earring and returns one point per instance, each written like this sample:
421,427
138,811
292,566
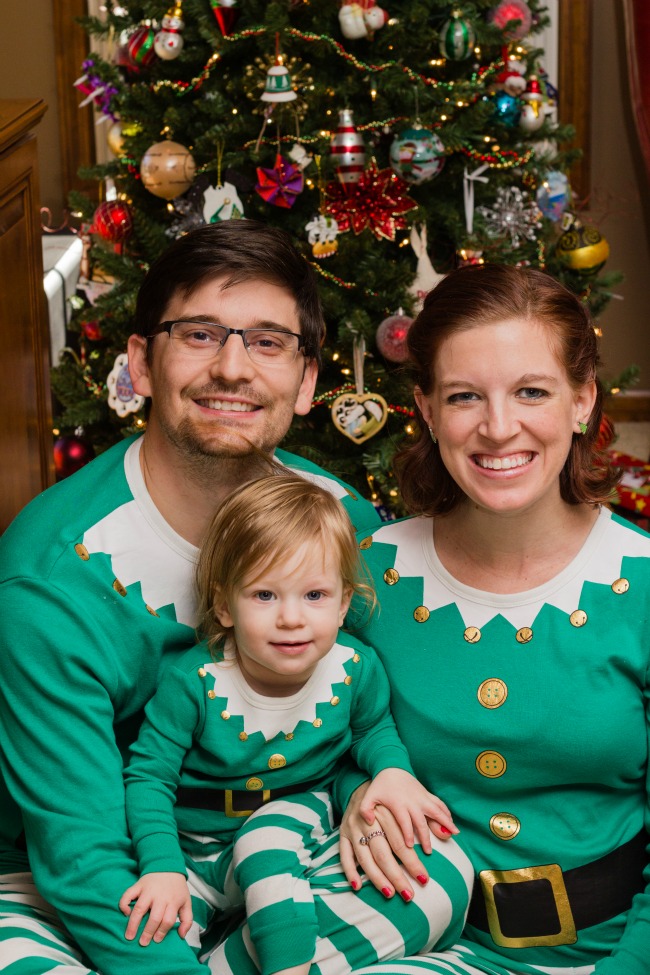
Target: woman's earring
583,427
432,436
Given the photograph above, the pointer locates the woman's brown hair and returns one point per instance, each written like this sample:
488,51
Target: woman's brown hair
482,295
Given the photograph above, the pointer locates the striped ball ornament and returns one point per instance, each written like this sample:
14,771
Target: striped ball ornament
457,38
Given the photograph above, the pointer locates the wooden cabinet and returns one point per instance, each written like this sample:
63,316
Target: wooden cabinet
26,465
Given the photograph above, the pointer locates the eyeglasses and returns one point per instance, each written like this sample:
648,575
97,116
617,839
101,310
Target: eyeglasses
203,340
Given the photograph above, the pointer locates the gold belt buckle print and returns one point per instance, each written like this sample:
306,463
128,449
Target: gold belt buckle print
552,872
237,813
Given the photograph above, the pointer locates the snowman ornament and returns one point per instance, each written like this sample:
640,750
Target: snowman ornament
168,42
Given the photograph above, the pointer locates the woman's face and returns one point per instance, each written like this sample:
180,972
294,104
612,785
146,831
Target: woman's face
504,413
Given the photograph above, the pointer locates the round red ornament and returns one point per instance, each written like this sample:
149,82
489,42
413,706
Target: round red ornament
140,46
113,221
92,331
70,454
509,10
391,337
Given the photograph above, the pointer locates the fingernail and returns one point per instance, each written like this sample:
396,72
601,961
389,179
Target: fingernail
422,879
443,829
355,884
386,891
406,896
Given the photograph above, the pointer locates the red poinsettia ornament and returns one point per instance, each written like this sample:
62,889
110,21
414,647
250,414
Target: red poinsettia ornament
378,201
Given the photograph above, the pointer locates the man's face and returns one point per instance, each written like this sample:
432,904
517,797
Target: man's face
217,407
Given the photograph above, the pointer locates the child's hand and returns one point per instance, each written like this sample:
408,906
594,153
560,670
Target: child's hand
166,898
416,810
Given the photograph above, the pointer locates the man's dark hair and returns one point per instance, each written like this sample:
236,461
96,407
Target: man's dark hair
237,250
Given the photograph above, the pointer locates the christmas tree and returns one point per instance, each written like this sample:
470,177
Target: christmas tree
393,145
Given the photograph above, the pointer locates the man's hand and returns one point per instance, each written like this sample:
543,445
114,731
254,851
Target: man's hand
166,898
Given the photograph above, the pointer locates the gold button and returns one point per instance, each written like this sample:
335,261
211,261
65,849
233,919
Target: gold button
202,672
620,586
348,680
492,693
254,784
524,635
317,722
391,576
472,634
491,764
334,700
224,714
421,614
365,542
211,695
82,551
505,825
356,658
289,737
150,610
243,736
119,588
578,617
277,761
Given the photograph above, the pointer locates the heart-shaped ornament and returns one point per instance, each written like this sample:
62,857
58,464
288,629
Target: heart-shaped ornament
359,416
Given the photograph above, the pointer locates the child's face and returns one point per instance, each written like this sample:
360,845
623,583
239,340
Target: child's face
286,619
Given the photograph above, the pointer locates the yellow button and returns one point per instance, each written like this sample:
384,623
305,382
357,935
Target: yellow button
348,680
317,722
391,576
356,658
421,614
578,617
491,764
243,736
334,700
365,542
277,761
211,695
492,692
119,588
524,635
505,825
289,737
472,634
224,714
202,672
254,784
150,610
82,551
620,586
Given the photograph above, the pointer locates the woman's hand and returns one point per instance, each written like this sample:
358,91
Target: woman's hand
166,898
417,811
388,861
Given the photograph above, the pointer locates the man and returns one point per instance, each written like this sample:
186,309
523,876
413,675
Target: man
96,583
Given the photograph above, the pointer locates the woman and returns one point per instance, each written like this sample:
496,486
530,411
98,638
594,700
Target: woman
514,626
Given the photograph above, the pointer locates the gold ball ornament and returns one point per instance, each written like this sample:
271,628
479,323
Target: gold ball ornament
167,169
115,139
583,249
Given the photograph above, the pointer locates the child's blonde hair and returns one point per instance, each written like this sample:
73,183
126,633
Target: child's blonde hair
268,520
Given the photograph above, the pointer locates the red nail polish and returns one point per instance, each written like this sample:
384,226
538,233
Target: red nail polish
386,891
422,879
406,896
443,829
355,884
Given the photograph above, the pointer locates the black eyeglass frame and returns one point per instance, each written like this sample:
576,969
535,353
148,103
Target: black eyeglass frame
168,326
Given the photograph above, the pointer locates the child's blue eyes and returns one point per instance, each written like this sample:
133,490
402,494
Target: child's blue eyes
266,596
314,595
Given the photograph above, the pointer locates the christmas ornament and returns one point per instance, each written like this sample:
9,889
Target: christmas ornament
222,203
512,79
417,155
509,10
507,108
278,85
391,337
92,331
226,13
469,255
532,110
457,38
121,396
139,46
511,216
353,26
71,453
167,169
281,185
348,149
606,433
112,221
374,17
581,248
322,232
96,91
426,276
300,156
119,131
378,201
168,42
359,415
468,194
554,195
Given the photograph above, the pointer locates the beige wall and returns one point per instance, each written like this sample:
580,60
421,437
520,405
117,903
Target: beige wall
27,70
620,198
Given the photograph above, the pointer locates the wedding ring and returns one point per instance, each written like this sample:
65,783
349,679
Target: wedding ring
366,839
